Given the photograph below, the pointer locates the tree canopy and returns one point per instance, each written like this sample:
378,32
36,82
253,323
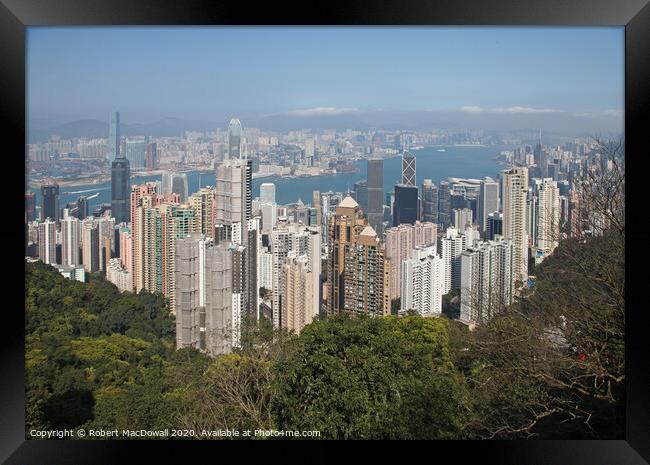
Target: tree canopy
370,378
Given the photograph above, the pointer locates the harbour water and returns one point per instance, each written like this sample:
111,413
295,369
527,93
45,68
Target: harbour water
431,163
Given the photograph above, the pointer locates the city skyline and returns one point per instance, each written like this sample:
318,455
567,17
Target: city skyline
482,76
374,232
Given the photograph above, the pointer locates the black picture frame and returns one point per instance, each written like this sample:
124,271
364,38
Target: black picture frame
634,15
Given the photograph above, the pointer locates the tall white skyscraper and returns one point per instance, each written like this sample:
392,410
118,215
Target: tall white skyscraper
451,247
462,218
90,242
70,241
548,215
267,192
487,280
47,241
423,281
266,270
269,216
515,189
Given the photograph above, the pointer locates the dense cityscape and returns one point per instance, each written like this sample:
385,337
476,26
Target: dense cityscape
333,233
219,255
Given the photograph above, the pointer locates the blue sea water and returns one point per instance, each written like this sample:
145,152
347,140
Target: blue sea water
461,162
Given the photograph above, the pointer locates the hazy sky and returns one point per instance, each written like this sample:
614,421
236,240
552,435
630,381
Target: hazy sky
208,73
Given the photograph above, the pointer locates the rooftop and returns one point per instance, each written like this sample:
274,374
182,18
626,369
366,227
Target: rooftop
368,231
348,202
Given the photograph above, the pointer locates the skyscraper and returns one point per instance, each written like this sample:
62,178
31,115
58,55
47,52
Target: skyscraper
400,241
120,189
462,218
494,226
266,269
175,183
360,194
451,247
280,248
159,221
488,201
366,275
90,242
405,208
548,215
269,216
178,221
30,206
537,153
234,139
205,208
375,186
297,293
179,186
50,202
233,196
151,156
444,205
252,251
136,152
114,136
316,204
267,192
239,286
70,240
204,287
532,211
126,250
515,188
423,281
429,201
78,208
142,198
487,280
408,169
344,228
297,240
236,224
309,151
47,241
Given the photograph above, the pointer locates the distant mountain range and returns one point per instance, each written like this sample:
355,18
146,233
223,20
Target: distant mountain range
41,130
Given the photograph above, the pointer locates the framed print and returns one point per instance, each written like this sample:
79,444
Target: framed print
391,222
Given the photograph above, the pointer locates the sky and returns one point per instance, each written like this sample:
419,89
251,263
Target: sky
148,73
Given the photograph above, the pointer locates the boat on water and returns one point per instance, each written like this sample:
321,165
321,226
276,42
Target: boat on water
442,150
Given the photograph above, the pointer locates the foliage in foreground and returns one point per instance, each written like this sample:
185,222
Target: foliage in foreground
553,365
370,378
